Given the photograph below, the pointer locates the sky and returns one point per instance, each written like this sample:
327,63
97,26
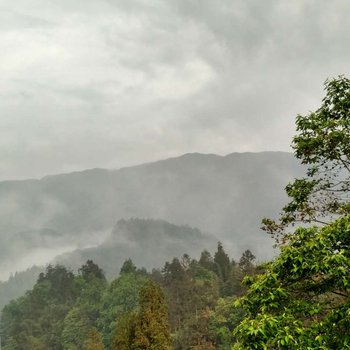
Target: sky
112,83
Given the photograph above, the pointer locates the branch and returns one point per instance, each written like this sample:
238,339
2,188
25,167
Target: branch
341,294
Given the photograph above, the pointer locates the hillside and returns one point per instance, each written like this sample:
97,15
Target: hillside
147,242
221,195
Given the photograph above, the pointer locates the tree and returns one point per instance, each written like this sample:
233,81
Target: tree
93,283
36,320
125,332
122,296
303,299
76,327
152,331
246,262
94,340
207,261
222,263
178,288
128,267
223,320
322,144
90,271
196,333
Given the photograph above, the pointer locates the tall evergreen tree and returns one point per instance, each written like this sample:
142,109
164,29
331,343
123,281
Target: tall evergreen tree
152,330
222,263
128,267
246,262
206,261
90,271
94,341
178,286
125,332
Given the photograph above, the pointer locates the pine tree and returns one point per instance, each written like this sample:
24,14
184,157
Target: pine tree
206,260
125,332
152,329
128,267
94,341
246,262
222,263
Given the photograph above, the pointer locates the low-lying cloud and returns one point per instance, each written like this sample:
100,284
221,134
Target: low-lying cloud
113,83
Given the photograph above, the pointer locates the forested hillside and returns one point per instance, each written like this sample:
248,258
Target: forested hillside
132,238
147,242
189,300
18,283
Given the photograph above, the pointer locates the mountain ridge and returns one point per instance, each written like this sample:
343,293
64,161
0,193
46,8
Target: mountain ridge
225,196
99,169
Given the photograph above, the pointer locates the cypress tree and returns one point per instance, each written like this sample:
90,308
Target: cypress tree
152,328
94,341
222,263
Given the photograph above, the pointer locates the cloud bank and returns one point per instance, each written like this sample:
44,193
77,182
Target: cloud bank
104,83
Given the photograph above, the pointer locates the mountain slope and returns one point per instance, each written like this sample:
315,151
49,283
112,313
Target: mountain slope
225,196
149,243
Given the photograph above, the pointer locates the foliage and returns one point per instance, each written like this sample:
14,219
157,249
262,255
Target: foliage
121,296
302,301
137,310
91,271
17,284
152,331
322,143
76,327
246,262
223,320
222,263
125,332
207,261
37,318
196,333
128,267
94,341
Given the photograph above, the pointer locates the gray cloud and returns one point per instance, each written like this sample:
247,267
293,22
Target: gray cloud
112,83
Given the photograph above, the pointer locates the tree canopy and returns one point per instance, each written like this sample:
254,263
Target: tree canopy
322,144
303,299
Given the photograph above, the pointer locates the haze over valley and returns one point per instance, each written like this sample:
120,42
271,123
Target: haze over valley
224,197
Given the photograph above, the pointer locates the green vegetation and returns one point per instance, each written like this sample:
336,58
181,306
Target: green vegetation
185,305
17,284
322,143
300,300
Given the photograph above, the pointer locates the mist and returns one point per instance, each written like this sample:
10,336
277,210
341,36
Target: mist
224,197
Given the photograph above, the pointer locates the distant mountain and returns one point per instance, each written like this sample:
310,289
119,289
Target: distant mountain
224,196
149,243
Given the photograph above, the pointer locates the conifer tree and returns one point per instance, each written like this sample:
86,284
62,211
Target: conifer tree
207,261
152,329
128,267
125,332
94,341
222,263
246,262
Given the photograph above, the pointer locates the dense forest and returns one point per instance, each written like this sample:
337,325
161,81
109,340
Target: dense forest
190,305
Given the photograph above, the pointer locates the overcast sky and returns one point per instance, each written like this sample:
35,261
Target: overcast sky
110,83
